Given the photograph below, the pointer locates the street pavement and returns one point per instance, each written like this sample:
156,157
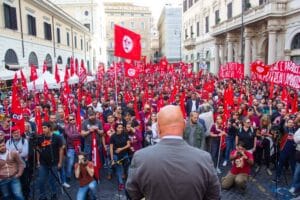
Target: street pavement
260,187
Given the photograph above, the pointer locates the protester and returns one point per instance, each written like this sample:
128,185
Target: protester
49,160
84,172
11,169
185,175
247,135
239,174
296,178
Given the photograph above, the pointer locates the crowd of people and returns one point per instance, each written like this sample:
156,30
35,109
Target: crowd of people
242,123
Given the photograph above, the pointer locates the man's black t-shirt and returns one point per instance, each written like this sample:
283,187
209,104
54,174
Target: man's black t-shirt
247,137
119,141
49,149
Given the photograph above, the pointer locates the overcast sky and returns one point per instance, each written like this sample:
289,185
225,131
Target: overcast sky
155,6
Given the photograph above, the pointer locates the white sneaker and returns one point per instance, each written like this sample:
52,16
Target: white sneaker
225,163
292,190
218,171
66,185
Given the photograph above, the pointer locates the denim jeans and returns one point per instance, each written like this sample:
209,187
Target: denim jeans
215,145
119,170
70,162
296,178
81,194
11,186
286,155
229,146
46,175
108,161
88,151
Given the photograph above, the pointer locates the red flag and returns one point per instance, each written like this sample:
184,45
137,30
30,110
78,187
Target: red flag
127,43
182,105
294,104
284,96
44,67
33,73
46,90
82,73
46,115
271,91
130,71
72,70
96,157
78,118
23,80
56,75
66,78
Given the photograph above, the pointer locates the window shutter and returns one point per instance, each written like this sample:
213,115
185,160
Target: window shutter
13,15
33,26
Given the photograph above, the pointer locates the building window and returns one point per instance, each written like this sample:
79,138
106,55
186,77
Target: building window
143,25
261,2
48,60
229,10
68,39
59,60
198,56
296,42
75,42
58,35
31,25
88,26
184,5
10,15
192,57
207,24
47,30
190,3
246,5
132,24
186,33
198,29
33,60
217,17
191,31
86,13
81,44
186,57
10,58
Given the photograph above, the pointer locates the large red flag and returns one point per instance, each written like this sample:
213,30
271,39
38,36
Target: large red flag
82,73
46,90
95,157
23,80
33,73
127,43
66,78
57,77
38,121
130,71
16,110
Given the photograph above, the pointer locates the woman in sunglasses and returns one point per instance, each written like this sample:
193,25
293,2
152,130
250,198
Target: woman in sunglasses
73,143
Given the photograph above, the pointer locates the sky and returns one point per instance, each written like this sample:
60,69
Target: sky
155,6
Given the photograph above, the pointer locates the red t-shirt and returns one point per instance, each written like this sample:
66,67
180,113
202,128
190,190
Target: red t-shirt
240,165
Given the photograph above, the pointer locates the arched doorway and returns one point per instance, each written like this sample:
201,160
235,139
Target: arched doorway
48,60
59,60
295,45
33,60
11,59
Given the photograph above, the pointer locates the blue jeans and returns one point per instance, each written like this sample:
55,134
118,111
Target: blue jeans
11,186
119,170
229,146
215,145
81,194
88,151
296,178
286,155
70,162
46,175
108,161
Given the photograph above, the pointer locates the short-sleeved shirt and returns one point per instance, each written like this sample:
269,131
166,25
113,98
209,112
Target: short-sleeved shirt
86,125
240,165
119,141
247,137
49,149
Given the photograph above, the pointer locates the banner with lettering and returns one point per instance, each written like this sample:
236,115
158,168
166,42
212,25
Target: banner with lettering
285,73
232,70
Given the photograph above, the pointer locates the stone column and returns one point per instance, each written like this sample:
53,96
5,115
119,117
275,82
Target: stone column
216,66
254,49
272,47
247,55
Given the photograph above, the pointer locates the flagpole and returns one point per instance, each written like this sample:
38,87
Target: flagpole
116,91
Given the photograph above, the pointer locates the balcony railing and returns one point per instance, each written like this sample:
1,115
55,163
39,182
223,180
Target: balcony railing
273,8
189,43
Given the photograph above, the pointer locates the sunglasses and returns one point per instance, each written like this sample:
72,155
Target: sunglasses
71,120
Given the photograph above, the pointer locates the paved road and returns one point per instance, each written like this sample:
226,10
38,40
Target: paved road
260,187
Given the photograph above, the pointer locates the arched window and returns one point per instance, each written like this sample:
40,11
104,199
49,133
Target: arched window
296,42
49,63
33,60
59,60
69,62
10,58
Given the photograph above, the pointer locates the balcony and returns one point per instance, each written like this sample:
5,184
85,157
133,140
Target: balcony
189,43
252,15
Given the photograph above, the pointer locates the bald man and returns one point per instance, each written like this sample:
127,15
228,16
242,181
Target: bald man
171,169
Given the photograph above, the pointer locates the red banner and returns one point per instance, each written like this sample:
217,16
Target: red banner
284,73
232,70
